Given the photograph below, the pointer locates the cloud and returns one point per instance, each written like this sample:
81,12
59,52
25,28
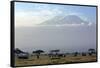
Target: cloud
31,18
66,25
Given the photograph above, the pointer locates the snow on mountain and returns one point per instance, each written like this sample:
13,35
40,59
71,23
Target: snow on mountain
63,20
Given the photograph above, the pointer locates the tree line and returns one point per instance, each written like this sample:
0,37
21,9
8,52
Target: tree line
53,53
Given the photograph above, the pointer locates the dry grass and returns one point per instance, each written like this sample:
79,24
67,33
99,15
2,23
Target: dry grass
43,60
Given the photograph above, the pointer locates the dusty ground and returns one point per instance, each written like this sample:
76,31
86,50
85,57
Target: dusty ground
43,60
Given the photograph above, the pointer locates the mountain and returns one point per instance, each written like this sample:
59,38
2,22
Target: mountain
61,20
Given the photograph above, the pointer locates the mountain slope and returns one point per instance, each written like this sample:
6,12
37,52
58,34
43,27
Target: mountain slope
59,20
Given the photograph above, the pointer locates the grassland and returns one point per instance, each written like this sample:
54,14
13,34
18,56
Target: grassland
45,60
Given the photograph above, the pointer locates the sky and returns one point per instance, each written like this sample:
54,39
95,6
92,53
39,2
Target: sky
68,38
30,14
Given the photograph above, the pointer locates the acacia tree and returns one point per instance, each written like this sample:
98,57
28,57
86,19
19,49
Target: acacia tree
38,52
18,51
91,51
55,51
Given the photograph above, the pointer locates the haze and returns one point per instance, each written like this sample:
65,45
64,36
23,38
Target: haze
48,27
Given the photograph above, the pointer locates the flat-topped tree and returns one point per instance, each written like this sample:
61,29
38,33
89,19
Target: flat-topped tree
38,52
91,51
55,51
18,51
21,54
54,54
